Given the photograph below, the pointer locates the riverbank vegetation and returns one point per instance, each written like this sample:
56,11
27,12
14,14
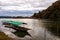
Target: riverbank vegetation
4,37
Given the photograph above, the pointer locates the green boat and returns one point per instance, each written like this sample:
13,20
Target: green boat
15,25
5,22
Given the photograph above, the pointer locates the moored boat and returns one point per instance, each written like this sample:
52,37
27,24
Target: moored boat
15,25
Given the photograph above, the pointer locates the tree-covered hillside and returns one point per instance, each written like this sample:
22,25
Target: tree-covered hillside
51,12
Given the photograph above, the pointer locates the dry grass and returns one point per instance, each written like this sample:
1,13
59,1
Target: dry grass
4,37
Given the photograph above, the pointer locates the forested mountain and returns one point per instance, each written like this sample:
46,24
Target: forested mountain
51,12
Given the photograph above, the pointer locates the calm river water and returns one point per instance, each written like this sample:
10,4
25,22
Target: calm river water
37,32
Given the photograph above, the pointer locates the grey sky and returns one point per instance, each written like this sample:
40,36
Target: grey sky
25,4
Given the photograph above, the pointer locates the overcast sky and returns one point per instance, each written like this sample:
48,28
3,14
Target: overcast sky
25,4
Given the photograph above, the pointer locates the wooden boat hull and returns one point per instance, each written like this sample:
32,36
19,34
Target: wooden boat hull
18,28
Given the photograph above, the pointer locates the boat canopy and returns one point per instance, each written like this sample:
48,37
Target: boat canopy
13,22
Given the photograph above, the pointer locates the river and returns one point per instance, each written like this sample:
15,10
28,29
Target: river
37,32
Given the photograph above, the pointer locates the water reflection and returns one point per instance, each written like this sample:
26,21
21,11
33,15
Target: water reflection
21,33
40,30
53,26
